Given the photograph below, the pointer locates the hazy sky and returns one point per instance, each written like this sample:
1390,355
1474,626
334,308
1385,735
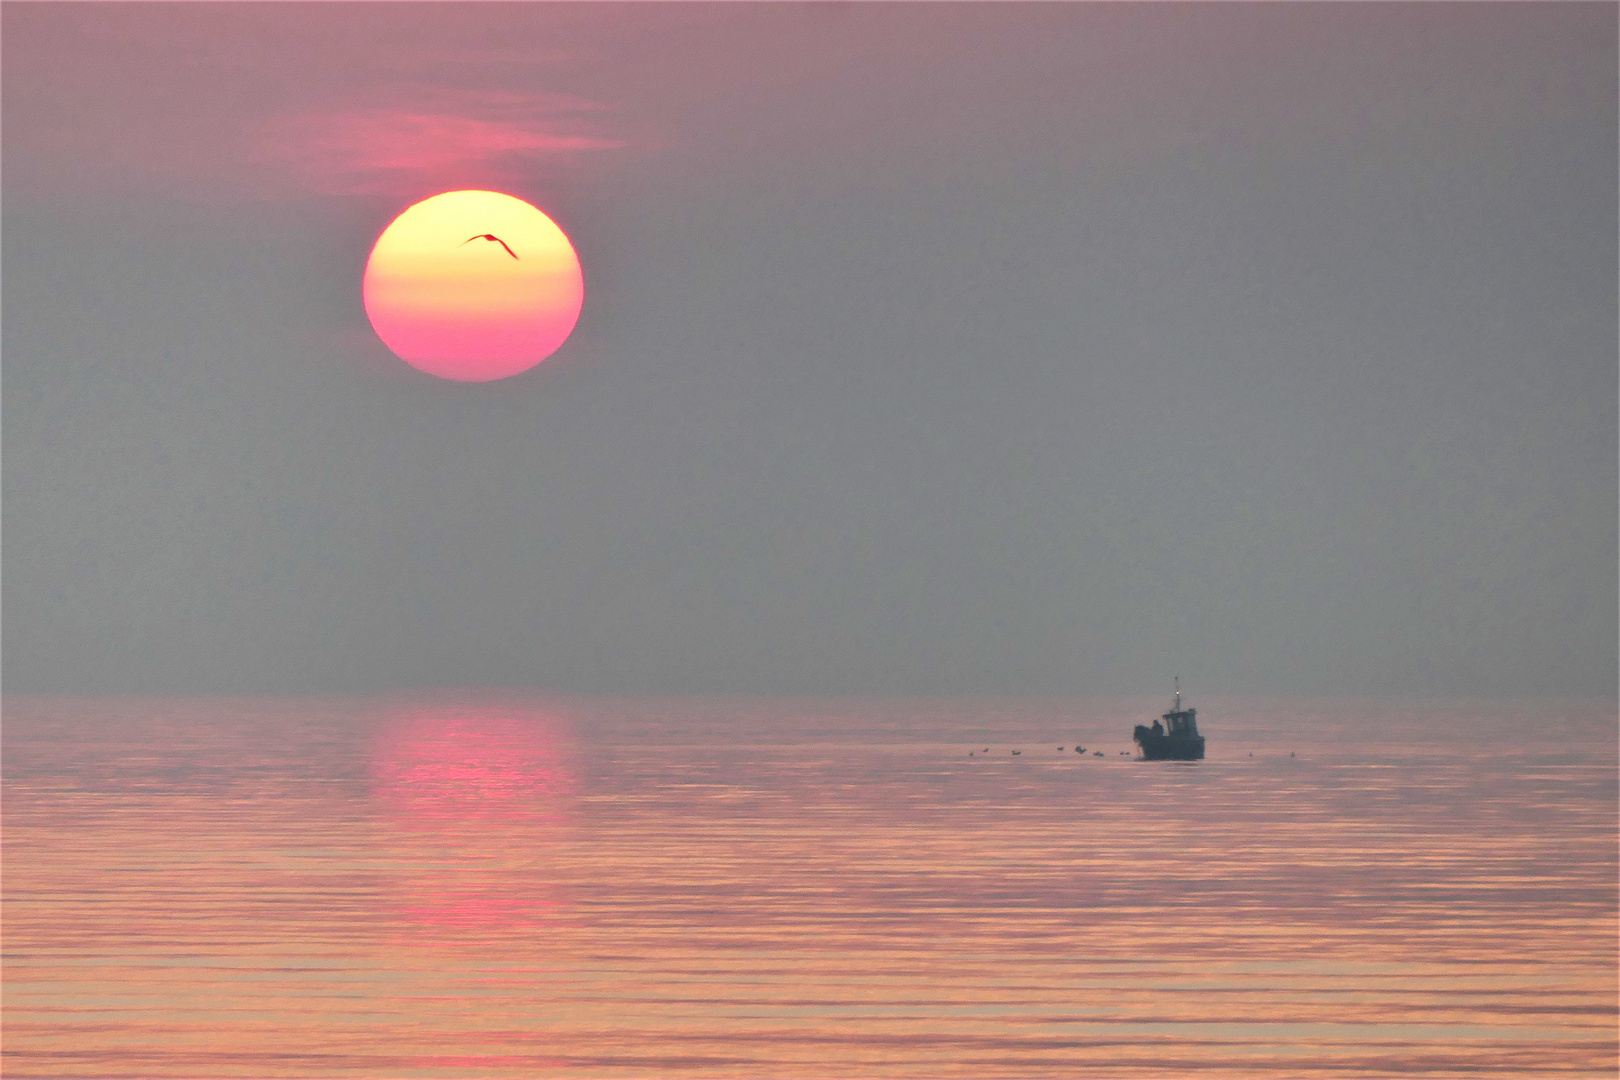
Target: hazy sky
926,349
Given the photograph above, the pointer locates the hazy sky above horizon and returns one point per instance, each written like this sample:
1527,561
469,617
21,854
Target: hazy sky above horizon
925,349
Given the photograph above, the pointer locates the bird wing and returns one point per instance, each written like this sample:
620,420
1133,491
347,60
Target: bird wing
490,236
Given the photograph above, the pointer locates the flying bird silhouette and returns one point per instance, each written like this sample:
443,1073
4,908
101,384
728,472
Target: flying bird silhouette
490,236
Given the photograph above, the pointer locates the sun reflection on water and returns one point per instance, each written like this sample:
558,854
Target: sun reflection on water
473,800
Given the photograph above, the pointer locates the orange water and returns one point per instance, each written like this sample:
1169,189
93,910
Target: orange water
479,885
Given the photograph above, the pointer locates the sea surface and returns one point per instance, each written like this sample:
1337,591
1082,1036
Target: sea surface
481,884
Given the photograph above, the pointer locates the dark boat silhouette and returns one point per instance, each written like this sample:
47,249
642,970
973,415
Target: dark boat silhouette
1176,739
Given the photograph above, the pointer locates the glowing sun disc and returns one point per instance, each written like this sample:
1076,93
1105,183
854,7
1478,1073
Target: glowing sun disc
473,286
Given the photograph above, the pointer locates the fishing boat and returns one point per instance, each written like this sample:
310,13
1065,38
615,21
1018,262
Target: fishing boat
1176,738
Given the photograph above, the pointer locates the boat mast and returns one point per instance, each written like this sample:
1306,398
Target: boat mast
1178,694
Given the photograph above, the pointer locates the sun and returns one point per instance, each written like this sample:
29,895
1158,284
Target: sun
473,286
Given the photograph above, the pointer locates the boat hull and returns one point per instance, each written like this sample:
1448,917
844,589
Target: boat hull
1160,747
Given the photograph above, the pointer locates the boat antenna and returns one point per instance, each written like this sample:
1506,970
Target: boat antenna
1178,693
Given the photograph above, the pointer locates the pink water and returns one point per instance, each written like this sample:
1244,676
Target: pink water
488,885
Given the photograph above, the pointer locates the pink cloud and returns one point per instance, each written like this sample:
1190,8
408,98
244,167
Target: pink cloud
460,138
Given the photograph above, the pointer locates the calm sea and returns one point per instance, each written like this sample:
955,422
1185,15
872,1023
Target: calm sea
493,885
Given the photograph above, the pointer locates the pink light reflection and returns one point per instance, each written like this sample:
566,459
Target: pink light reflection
477,799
